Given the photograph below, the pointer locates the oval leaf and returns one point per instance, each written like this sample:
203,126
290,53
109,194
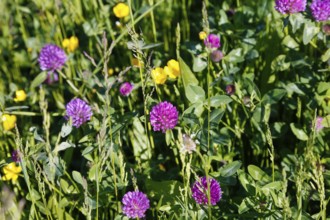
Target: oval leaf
299,133
231,168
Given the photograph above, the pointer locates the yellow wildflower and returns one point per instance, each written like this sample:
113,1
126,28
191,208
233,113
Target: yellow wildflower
71,44
159,75
11,171
110,71
202,35
20,96
121,10
172,69
8,121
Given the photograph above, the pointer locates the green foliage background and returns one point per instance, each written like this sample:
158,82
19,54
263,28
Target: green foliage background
260,143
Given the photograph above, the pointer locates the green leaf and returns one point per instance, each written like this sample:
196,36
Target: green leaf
66,130
188,78
273,96
216,116
298,132
230,169
195,93
310,31
77,177
279,64
277,185
257,173
218,100
322,87
39,79
235,56
326,56
199,64
244,206
33,195
63,146
247,182
326,121
289,42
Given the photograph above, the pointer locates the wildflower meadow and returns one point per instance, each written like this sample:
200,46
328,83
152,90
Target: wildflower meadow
164,109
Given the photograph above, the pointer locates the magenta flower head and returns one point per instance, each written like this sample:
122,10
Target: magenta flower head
199,191
135,204
126,88
212,41
79,111
164,116
321,10
290,6
51,58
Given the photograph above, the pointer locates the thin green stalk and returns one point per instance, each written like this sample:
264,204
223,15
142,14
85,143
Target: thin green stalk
208,103
151,2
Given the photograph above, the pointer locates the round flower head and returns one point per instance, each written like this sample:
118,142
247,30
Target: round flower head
163,116
290,6
188,144
125,88
20,96
318,124
51,58
11,172
230,89
8,121
16,156
212,41
135,204
79,111
121,10
321,10
172,69
159,75
199,191
216,56
71,44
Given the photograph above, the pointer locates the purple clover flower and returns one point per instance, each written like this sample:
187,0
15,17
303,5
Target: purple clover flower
318,124
290,6
16,156
51,58
199,191
216,56
126,88
135,204
321,10
230,89
79,111
164,116
212,41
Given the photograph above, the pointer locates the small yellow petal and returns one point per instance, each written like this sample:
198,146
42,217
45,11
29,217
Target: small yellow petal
121,10
20,96
11,171
173,69
159,75
65,43
202,35
8,121
74,43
